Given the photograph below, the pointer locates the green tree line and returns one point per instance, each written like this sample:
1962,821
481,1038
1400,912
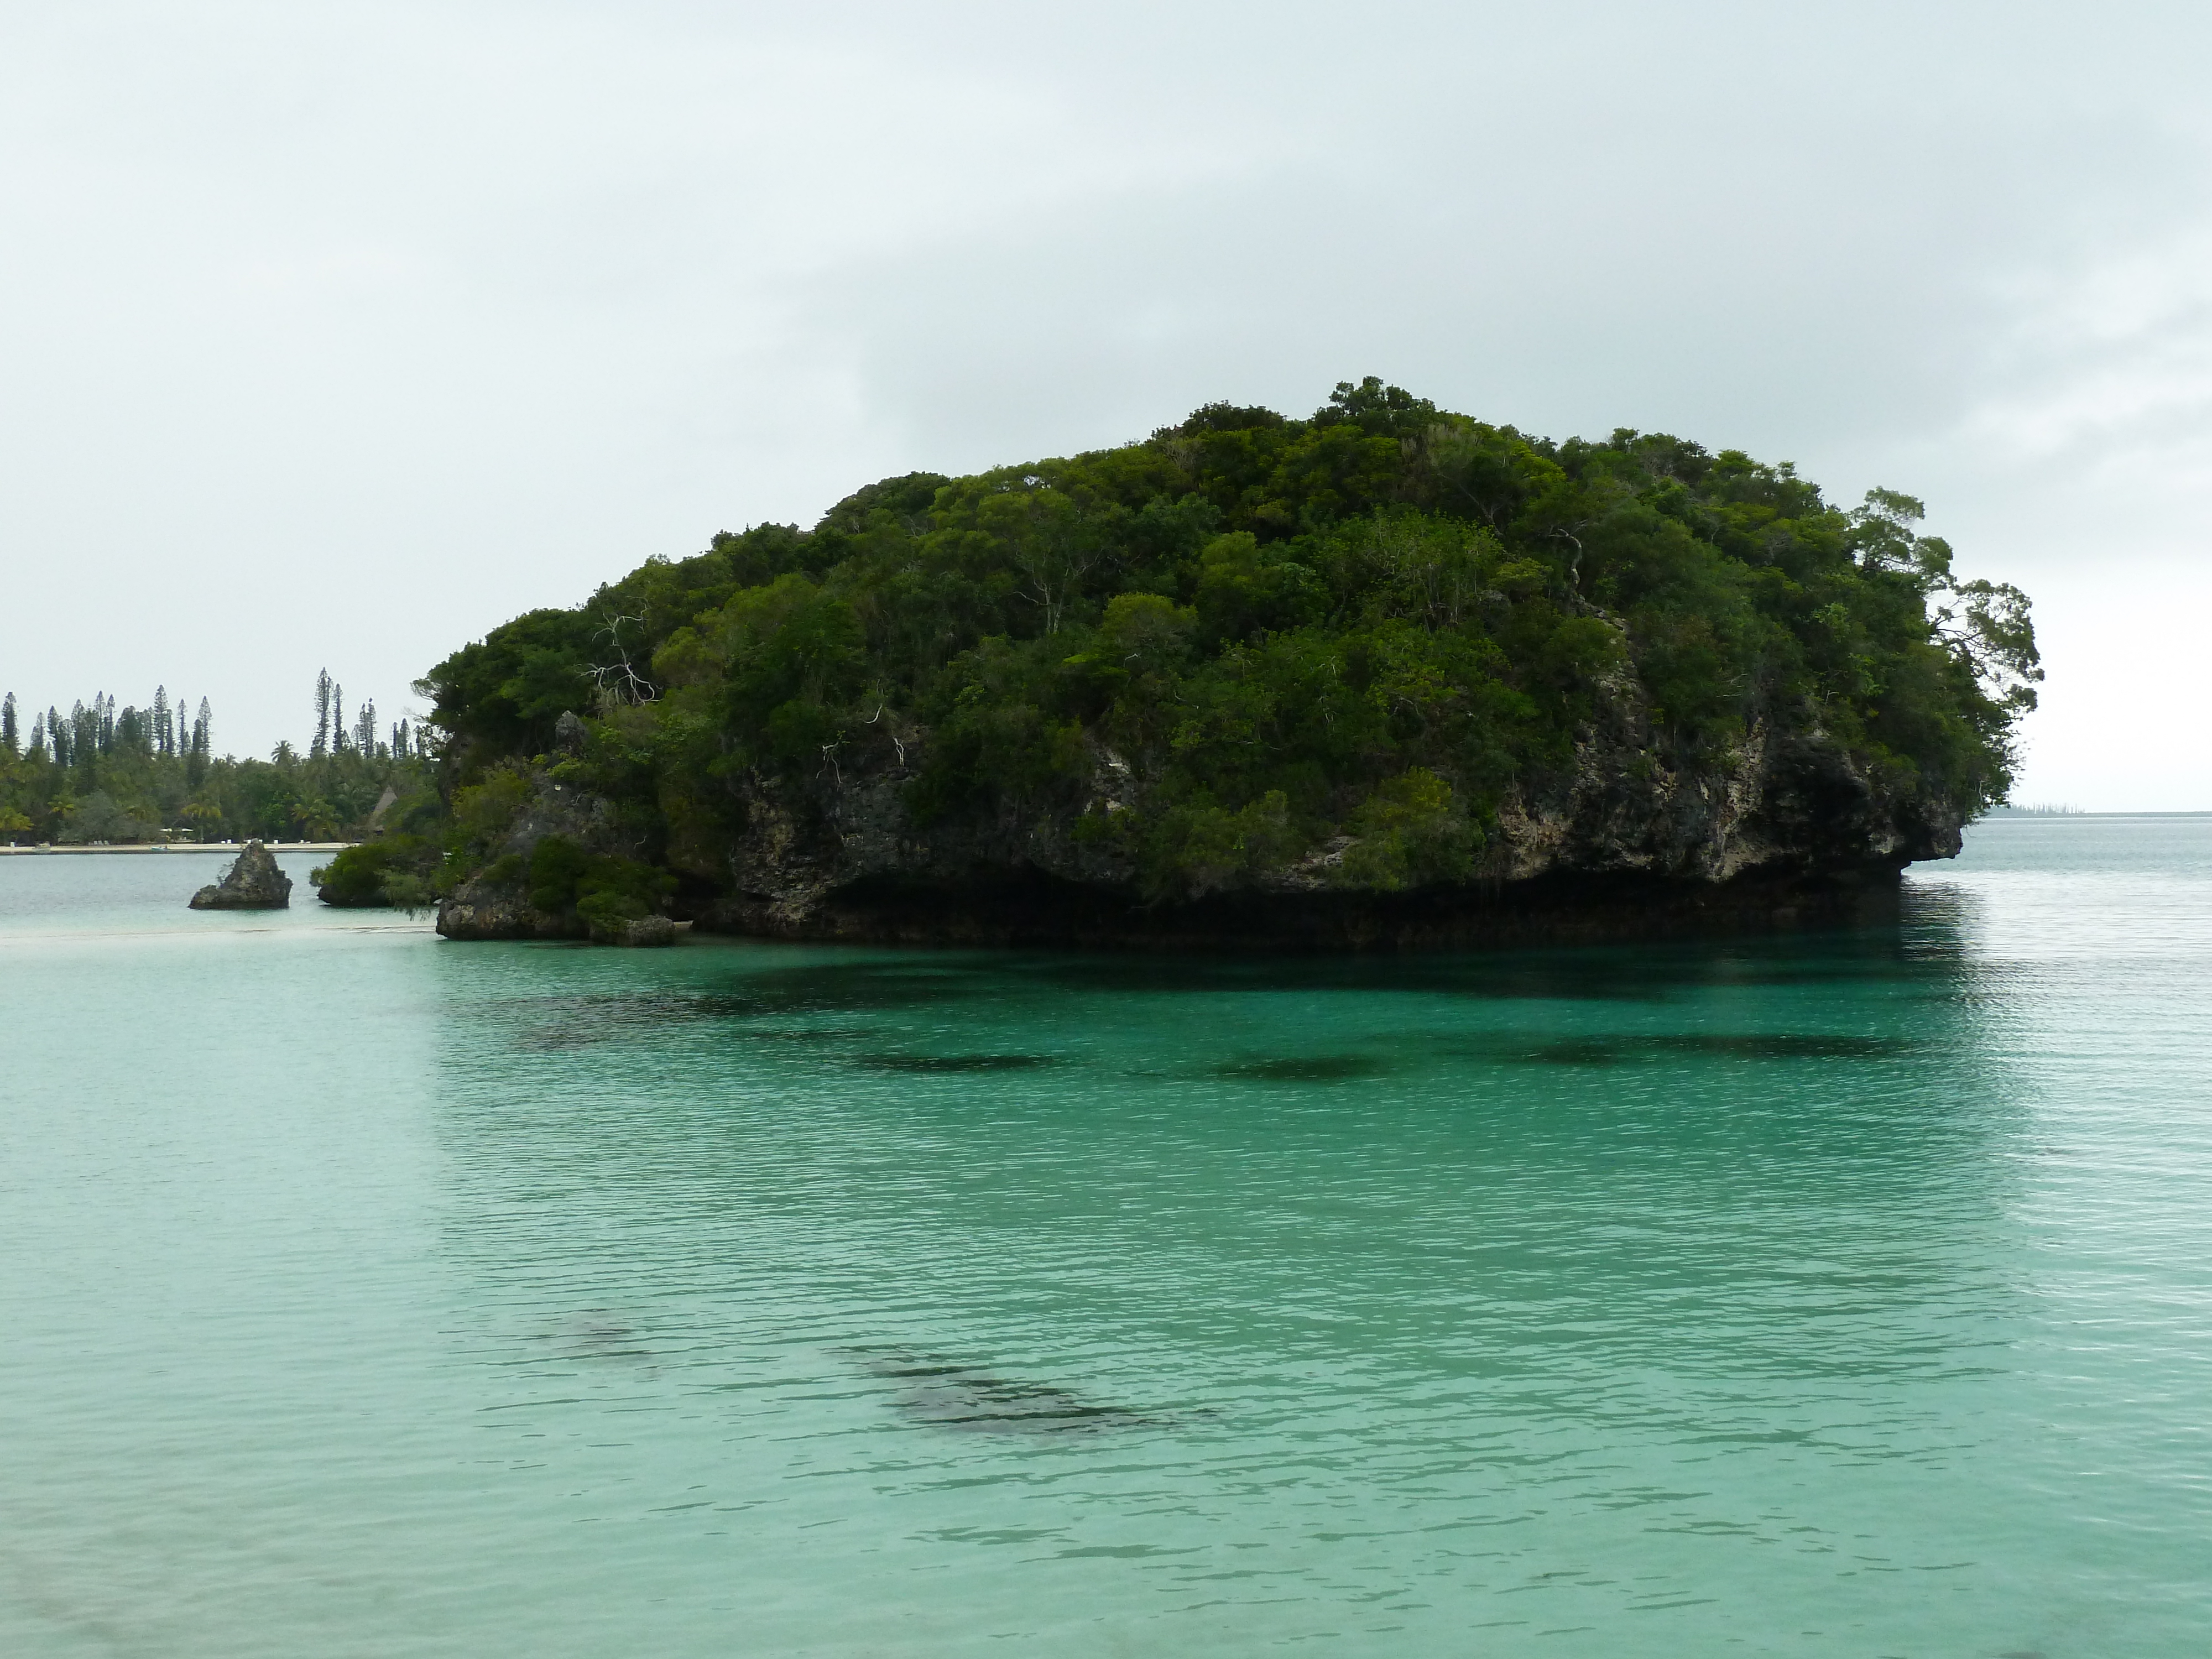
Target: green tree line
101,774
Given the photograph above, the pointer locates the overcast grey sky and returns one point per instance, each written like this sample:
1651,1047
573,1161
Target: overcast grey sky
335,335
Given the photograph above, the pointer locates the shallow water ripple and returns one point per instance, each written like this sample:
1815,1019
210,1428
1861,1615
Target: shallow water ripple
1826,1295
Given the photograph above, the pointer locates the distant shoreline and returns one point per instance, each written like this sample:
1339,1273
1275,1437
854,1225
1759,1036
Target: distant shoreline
181,847
2068,818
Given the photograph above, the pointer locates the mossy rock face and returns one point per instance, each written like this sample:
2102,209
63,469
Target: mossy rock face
559,866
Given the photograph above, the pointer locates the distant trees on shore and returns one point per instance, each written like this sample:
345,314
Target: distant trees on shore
98,773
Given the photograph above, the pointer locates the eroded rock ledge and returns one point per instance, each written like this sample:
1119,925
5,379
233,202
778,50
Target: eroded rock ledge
1791,835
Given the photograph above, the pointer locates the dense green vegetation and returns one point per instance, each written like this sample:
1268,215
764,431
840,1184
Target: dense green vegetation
1377,622
100,773
1368,630
426,850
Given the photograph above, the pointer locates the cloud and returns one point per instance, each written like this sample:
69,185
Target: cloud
399,320
2108,370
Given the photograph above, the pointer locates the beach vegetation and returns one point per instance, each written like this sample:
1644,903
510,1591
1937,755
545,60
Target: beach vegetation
101,774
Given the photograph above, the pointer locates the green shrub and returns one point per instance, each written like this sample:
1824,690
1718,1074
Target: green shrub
1409,833
354,876
393,872
604,890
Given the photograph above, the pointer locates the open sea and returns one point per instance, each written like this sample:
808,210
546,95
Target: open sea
1842,1294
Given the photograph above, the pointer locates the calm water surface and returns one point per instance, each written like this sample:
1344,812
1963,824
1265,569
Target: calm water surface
362,1294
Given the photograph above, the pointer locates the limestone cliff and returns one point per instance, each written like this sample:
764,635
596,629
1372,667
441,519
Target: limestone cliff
1786,828
1621,844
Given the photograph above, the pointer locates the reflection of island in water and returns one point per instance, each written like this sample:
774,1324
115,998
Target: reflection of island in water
1678,1295
1577,1165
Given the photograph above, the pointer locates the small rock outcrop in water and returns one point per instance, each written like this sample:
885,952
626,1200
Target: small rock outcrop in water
254,884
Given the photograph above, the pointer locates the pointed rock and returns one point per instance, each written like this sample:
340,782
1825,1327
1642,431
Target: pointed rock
254,883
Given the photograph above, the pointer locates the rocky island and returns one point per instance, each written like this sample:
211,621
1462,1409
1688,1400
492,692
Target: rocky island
254,882
1386,675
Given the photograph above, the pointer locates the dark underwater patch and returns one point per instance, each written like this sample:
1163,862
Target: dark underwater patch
954,1062
1787,1046
553,1038
580,1021
598,1333
1625,1050
1307,1068
814,988
965,1399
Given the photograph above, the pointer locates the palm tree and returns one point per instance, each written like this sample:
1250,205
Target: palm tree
202,814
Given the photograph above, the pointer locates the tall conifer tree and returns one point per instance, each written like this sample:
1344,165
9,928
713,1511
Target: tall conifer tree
321,746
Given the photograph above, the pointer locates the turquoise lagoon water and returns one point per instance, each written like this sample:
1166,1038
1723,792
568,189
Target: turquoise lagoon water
362,1294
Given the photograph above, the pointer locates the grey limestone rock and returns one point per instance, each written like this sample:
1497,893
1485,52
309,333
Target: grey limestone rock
1627,838
644,930
254,883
